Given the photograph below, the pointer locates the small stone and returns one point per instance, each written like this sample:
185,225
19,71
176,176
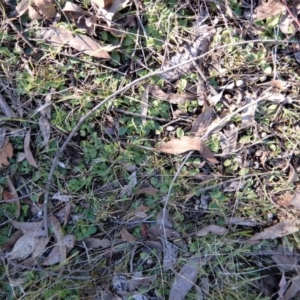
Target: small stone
170,128
239,83
259,153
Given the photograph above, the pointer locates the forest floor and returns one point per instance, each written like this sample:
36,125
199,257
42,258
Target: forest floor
149,150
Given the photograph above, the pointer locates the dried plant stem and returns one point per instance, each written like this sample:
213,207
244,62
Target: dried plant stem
111,97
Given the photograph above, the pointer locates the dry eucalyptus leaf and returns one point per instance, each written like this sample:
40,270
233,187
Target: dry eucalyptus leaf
293,175
55,256
158,231
45,8
88,46
102,3
297,57
20,9
62,198
59,238
214,229
282,286
45,129
279,230
24,247
269,8
126,236
108,10
127,189
6,153
248,112
59,37
170,255
82,19
286,263
286,24
202,122
139,281
5,107
34,229
214,99
185,279
144,104
187,143
138,213
172,98
234,186
228,140
164,219
293,289
28,153
250,222
2,137
40,246
95,243
295,201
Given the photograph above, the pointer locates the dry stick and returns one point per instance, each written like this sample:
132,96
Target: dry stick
112,96
170,189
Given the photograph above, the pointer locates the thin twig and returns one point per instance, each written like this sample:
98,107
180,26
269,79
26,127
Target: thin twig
21,35
121,111
170,189
111,97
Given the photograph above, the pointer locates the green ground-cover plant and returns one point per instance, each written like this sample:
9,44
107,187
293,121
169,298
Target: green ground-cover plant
96,168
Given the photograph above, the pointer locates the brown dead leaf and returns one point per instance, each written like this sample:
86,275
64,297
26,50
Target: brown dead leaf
293,289
59,37
8,245
202,122
269,8
286,263
45,8
144,104
2,135
185,279
45,129
55,256
164,219
28,153
250,222
139,281
25,246
59,238
158,231
279,230
34,229
126,236
95,243
295,201
109,8
82,19
187,143
282,286
103,3
20,9
228,139
214,229
6,153
88,46
172,98
170,255
148,191
138,213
